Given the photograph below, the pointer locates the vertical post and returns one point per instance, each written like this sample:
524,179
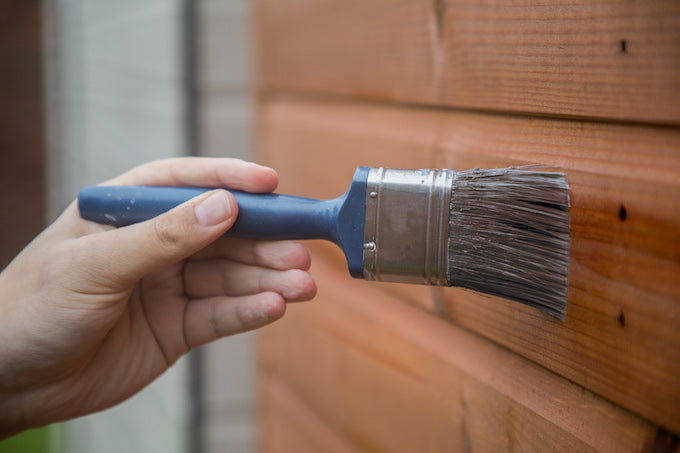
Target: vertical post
189,62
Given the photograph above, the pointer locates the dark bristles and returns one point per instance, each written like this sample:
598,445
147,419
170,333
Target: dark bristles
509,236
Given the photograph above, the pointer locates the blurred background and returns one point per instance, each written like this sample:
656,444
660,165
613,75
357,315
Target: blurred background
89,89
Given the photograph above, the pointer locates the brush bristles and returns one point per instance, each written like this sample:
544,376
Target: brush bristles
509,236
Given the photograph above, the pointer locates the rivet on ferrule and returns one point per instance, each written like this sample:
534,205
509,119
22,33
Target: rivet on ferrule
370,246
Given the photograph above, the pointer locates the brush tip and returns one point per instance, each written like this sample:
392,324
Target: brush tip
509,236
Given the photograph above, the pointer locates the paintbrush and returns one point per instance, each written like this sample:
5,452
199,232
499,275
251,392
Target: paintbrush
502,232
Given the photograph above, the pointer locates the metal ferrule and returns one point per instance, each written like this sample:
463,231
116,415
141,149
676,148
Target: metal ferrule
407,221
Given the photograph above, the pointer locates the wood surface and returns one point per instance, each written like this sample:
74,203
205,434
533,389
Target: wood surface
385,376
613,59
620,338
290,425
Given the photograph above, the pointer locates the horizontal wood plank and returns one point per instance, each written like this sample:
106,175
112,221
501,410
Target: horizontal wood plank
389,377
289,425
620,337
612,59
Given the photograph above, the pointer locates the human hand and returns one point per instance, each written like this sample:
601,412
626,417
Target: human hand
90,314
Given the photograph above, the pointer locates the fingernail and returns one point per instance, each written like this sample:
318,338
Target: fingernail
213,210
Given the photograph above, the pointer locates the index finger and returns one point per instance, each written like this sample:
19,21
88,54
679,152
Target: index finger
207,172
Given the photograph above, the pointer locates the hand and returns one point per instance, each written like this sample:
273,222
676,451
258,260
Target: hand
90,314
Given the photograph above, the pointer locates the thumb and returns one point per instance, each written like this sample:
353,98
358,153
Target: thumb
134,251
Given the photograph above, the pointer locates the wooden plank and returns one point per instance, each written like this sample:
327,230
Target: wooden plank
612,59
620,337
288,425
379,49
624,294
389,377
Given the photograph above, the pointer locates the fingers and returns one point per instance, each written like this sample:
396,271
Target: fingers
202,172
208,319
122,256
210,278
281,255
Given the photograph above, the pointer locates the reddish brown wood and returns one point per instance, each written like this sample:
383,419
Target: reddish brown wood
289,425
609,59
620,338
389,377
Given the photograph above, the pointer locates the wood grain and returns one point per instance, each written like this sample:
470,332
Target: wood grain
289,425
613,59
620,337
389,377
624,293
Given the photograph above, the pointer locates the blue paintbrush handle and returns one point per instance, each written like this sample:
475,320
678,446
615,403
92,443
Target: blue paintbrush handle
262,216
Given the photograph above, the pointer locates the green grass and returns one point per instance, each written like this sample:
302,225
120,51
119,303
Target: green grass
31,441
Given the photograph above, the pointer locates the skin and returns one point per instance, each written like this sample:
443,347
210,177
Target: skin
92,314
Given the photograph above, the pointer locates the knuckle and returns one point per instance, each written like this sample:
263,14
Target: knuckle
170,234
215,324
260,257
